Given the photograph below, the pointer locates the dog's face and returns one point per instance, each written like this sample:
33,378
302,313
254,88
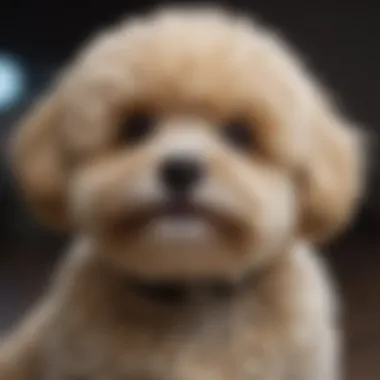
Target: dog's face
189,145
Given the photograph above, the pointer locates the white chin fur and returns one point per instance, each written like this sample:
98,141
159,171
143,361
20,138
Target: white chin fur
180,230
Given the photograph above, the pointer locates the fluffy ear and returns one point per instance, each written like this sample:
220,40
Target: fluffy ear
36,160
333,182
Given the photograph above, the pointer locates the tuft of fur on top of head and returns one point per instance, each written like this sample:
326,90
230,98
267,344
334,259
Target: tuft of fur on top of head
205,61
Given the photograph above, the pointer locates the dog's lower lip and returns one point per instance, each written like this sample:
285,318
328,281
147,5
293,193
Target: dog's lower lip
181,212
179,209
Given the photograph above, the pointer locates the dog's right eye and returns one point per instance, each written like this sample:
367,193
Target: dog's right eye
239,135
136,128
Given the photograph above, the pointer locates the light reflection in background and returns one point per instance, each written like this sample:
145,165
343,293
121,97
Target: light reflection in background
12,81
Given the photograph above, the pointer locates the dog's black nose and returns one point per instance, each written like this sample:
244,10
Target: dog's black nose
180,174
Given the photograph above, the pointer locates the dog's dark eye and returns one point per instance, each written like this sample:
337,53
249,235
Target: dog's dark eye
239,135
136,128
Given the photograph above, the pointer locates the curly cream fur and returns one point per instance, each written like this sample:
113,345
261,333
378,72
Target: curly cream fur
196,69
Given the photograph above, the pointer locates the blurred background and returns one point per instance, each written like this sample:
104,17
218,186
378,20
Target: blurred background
340,40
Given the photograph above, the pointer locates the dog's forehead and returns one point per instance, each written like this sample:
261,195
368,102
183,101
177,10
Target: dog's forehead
194,61
188,58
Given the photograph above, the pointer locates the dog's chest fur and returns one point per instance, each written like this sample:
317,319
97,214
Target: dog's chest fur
102,332
214,345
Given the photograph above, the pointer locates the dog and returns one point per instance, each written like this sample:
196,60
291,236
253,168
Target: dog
198,164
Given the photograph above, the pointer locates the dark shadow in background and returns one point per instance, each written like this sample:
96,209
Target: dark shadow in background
340,40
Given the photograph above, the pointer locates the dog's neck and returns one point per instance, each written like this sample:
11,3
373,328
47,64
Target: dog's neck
179,293
164,293
182,293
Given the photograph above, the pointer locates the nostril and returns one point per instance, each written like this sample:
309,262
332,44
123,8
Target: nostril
180,174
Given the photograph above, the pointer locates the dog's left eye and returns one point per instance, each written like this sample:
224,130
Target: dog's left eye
136,128
239,135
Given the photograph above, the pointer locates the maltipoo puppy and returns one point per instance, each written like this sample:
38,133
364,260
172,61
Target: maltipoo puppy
196,163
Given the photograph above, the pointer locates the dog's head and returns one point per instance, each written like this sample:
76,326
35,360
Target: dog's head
189,144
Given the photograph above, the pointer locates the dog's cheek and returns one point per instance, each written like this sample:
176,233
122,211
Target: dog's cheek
264,197
277,219
90,199
103,193
95,196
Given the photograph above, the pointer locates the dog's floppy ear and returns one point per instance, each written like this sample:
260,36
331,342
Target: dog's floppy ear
37,162
333,180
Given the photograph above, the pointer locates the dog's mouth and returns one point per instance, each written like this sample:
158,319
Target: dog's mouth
180,216
180,210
